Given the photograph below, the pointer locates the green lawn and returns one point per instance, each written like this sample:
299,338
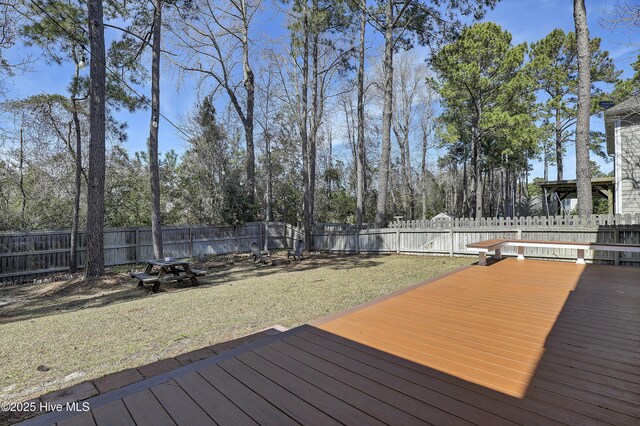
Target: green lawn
88,333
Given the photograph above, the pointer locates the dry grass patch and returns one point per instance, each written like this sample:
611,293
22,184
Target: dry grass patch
90,331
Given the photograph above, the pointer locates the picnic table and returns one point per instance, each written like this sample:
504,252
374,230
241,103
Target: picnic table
168,269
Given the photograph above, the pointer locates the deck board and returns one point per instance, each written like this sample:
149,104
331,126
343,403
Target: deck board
214,403
298,409
248,401
525,342
329,404
114,413
145,409
182,409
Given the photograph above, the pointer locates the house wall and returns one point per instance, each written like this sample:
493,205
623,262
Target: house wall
628,165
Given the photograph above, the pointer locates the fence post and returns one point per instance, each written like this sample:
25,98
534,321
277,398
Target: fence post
190,241
398,240
451,242
519,233
137,245
616,239
357,241
235,227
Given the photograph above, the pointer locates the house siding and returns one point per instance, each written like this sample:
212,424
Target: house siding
628,165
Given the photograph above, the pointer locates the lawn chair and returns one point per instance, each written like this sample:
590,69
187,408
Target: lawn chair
259,255
297,253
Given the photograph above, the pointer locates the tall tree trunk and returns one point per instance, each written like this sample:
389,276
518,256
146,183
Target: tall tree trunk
423,168
478,175
73,251
303,129
267,139
409,175
475,169
23,193
404,185
465,184
387,111
583,165
546,163
249,85
316,114
360,160
95,187
154,172
559,151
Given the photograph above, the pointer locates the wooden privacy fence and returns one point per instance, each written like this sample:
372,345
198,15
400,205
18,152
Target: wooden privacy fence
24,255
450,237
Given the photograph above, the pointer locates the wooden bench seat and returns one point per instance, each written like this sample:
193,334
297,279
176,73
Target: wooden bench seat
496,246
145,278
487,246
198,272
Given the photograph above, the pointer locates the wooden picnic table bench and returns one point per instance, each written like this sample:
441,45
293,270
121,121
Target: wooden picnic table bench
496,245
169,270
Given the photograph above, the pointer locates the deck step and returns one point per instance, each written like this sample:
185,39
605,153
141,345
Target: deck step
198,272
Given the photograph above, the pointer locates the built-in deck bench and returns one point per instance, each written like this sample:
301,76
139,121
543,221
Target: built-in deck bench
495,246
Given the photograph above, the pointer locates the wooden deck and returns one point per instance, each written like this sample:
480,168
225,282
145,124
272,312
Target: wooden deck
526,342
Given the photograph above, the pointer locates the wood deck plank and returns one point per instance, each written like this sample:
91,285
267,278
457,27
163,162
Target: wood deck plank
261,411
82,419
329,404
409,404
425,394
383,410
146,410
216,405
296,408
182,409
455,391
114,413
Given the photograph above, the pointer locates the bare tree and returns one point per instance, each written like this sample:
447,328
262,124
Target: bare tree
267,98
426,112
360,149
95,192
214,39
583,164
409,85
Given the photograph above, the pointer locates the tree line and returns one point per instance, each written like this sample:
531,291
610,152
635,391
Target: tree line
337,120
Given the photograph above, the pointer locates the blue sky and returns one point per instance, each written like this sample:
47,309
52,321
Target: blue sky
527,20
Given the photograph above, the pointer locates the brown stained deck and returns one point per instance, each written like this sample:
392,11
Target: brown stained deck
524,342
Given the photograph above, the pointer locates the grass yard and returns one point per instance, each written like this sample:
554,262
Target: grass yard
85,330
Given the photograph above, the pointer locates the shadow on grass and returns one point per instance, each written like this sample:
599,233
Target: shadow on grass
59,300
